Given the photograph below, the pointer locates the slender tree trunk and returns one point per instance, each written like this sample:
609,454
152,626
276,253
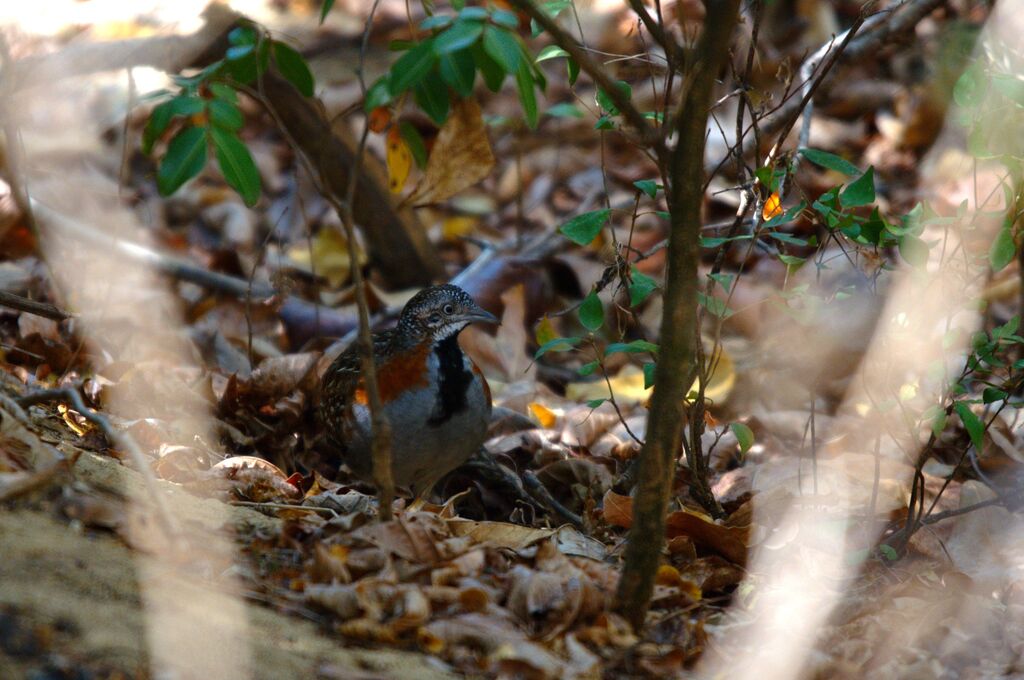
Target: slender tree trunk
676,363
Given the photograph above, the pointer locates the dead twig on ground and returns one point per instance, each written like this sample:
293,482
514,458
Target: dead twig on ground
23,304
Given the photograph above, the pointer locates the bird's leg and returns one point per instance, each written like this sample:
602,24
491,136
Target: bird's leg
423,493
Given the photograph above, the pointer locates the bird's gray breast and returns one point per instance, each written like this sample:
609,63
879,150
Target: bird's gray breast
434,429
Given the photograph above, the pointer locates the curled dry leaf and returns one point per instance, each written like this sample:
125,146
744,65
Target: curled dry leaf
256,479
340,599
461,156
329,564
729,542
524,659
275,377
417,537
414,611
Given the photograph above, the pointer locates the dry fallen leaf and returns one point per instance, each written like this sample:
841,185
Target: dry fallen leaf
772,207
545,416
461,156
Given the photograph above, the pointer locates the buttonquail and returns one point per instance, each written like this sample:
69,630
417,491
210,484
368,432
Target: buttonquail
436,399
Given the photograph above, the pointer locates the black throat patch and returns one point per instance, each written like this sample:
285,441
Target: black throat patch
454,380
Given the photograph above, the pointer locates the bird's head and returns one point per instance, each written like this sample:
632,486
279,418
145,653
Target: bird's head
439,312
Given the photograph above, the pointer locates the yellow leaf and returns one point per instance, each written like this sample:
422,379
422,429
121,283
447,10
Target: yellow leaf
772,207
545,331
399,160
545,416
457,226
628,385
461,156
721,381
329,256
74,420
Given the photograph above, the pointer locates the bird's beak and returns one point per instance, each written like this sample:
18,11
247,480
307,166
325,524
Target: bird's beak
478,314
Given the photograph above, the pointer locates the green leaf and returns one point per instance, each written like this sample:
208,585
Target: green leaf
242,35
505,18
640,287
723,280
588,368
225,114
605,101
503,47
461,35
791,260
236,52
550,52
992,394
187,105
493,73
715,306
325,8
584,228
634,347
527,96
970,86
414,141
888,552
787,238
159,119
913,250
237,165
432,97
594,403
412,67
649,371
860,191
937,416
473,13
1003,249
181,106
648,186
744,435
564,110
224,91
379,94
715,241
294,68
458,70
972,423
557,345
592,312
436,21
574,70
829,161
185,158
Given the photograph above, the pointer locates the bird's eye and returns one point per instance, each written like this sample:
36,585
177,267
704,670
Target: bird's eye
448,309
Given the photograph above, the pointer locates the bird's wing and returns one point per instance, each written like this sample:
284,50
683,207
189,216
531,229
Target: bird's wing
344,375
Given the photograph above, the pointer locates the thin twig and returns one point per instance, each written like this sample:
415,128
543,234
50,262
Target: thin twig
998,500
649,136
23,304
875,32
381,428
541,493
